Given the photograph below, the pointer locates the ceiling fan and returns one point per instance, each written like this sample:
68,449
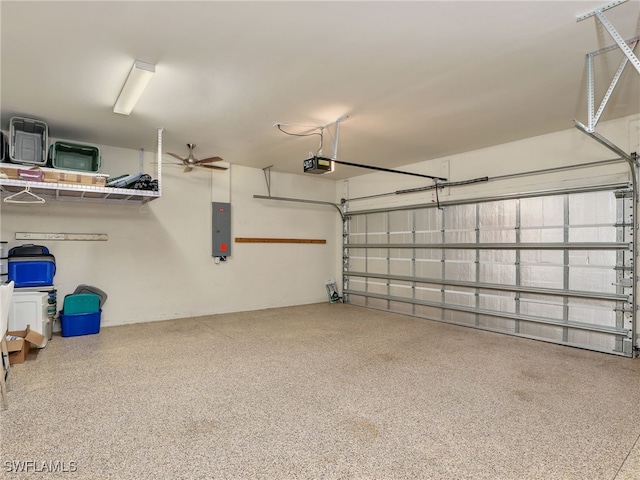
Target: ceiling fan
190,161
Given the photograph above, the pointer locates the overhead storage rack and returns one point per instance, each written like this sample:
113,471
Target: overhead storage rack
86,193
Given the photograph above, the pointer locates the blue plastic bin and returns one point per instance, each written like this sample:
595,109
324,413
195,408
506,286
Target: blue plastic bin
77,324
32,271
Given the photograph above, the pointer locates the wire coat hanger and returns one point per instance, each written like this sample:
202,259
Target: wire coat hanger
27,191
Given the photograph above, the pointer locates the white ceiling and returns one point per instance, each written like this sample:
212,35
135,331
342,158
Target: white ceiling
419,80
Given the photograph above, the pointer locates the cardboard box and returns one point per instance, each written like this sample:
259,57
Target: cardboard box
22,172
10,171
52,175
75,178
20,346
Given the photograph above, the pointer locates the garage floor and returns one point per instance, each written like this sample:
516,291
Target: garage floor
321,391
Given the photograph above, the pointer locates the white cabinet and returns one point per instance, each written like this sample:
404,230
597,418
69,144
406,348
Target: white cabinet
30,308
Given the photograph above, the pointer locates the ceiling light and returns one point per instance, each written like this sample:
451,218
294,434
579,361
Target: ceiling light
137,81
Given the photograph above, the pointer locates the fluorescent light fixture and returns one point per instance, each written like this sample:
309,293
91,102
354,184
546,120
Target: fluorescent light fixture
137,81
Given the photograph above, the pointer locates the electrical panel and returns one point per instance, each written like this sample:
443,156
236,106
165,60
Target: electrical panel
221,223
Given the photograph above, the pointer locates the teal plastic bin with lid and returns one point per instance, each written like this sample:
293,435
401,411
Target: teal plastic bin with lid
81,303
80,314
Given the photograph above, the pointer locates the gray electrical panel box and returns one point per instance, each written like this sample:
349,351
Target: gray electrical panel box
221,222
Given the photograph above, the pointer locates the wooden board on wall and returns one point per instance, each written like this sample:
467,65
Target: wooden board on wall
62,236
278,240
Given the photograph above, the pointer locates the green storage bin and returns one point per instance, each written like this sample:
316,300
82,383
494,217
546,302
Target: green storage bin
76,303
75,156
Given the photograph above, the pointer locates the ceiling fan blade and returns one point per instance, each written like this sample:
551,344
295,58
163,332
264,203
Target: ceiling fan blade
182,159
212,167
209,160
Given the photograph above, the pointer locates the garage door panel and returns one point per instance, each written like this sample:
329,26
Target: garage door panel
595,313
592,234
432,313
593,259
427,225
592,208
460,297
542,276
487,257
503,274
428,237
357,284
358,300
377,287
461,318
498,214
591,340
428,294
498,301
545,309
497,236
428,254
542,211
401,266
478,264
377,303
460,236
428,268
358,260
377,265
401,289
542,331
401,307
459,217
460,270
503,325
542,235
592,279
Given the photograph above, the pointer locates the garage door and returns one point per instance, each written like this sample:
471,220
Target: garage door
555,267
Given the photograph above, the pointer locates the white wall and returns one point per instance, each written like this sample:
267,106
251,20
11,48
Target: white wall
157,262
563,148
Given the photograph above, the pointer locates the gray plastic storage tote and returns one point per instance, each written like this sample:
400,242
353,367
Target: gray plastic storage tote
28,141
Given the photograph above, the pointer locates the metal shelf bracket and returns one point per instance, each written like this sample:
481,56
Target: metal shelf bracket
626,46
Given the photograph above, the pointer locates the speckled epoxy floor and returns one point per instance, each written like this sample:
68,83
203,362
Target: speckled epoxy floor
319,392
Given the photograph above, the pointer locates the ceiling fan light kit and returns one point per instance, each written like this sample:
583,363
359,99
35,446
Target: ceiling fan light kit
134,87
191,161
